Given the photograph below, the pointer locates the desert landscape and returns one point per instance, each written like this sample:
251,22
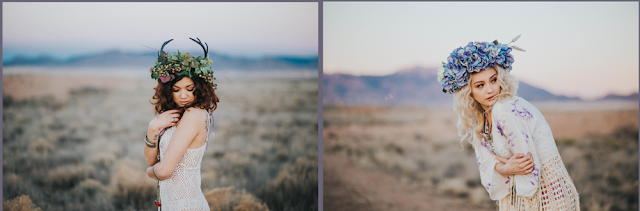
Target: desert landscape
73,141
404,158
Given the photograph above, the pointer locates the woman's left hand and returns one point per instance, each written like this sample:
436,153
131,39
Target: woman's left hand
517,164
505,160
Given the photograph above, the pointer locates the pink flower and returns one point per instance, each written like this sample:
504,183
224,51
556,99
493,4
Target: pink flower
164,79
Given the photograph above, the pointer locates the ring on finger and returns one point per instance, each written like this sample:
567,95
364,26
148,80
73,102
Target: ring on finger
174,120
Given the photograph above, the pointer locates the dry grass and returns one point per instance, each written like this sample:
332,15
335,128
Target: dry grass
420,148
20,203
84,151
67,176
230,199
301,180
131,188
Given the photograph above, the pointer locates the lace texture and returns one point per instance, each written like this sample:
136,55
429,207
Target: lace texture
182,191
556,192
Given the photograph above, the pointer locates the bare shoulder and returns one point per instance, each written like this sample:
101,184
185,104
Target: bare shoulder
195,110
195,114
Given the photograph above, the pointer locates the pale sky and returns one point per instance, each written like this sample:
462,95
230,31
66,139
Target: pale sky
579,49
241,28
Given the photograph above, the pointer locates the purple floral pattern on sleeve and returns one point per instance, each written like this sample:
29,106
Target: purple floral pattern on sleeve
502,130
521,112
500,125
526,137
486,145
483,169
535,174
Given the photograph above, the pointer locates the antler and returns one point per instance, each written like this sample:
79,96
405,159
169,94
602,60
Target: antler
206,51
165,43
162,59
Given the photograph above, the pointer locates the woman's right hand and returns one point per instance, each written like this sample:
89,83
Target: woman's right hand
165,119
518,164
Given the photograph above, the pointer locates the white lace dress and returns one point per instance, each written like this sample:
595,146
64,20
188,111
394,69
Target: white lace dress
519,127
182,191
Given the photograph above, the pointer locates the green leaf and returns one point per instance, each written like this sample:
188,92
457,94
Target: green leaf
198,71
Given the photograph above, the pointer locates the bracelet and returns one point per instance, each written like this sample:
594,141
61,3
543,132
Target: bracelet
153,168
149,144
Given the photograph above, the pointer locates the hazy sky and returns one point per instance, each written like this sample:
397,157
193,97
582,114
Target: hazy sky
253,29
582,49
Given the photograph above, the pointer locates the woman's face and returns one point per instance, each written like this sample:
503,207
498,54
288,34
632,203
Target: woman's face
183,92
484,87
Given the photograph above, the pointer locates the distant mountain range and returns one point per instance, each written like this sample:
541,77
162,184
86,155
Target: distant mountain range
116,58
634,96
412,87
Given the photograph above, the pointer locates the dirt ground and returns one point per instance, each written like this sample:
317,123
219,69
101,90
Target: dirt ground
24,86
411,158
348,187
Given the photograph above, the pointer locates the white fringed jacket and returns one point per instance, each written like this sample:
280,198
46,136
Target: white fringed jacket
519,127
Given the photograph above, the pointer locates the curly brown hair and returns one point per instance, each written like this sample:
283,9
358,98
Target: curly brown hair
205,96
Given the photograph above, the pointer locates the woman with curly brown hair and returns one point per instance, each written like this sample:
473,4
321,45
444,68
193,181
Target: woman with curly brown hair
177,137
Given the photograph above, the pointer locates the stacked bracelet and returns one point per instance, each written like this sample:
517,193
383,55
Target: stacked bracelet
153,168
149,144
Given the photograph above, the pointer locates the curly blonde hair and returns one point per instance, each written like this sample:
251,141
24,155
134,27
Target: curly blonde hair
469,111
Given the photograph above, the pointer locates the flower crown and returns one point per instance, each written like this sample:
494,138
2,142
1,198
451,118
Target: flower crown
474,57
169,66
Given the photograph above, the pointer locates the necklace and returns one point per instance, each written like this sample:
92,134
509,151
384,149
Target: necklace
487,134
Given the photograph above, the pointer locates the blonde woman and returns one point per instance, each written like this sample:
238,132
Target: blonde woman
519,163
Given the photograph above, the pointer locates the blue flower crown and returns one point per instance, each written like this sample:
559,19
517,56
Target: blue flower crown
474,57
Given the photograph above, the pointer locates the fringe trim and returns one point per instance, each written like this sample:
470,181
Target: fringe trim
556,167
512,202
